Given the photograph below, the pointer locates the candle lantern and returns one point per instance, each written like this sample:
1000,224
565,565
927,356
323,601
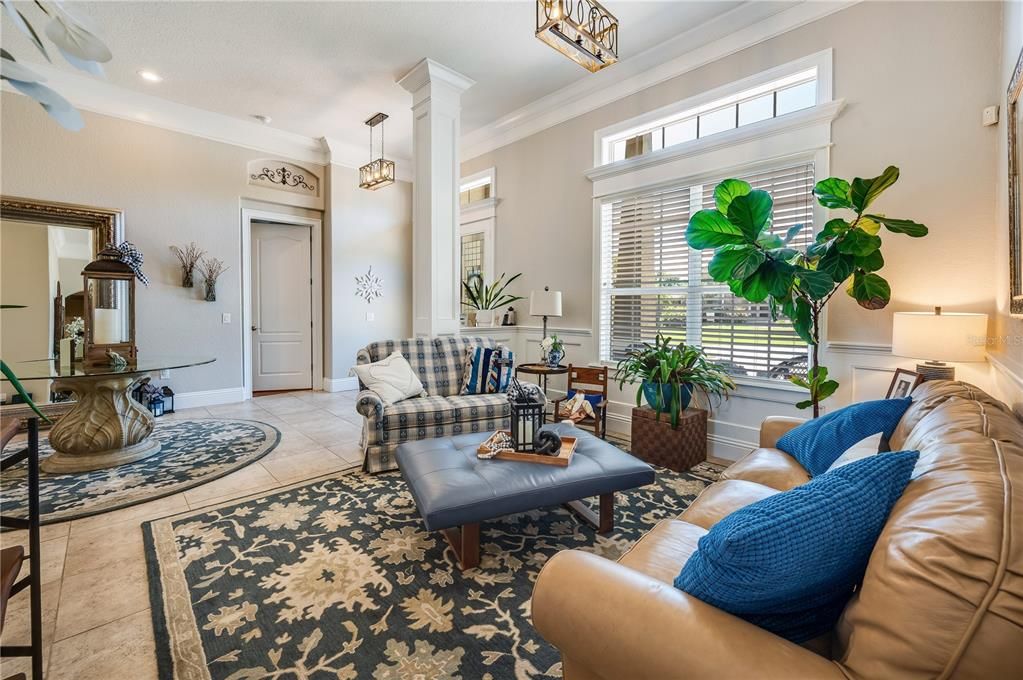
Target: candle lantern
156,405
109,285
526,421
168,399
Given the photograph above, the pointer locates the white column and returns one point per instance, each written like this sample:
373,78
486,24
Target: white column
436,112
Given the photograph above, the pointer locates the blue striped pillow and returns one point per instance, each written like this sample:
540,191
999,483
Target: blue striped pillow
483,374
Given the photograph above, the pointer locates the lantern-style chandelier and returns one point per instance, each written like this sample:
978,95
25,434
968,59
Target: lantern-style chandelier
379,172
582,30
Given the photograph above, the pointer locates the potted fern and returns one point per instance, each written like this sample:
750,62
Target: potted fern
671,374
486,299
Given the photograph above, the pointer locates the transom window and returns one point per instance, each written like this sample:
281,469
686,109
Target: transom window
778,97
652,281
474,191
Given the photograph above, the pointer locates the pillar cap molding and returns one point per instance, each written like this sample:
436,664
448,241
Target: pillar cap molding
428,71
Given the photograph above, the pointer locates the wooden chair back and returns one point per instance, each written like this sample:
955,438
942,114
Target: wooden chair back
588,379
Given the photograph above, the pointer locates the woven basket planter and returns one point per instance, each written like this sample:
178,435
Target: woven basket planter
656,442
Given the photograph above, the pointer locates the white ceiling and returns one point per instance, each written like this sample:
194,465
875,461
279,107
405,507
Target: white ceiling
321,68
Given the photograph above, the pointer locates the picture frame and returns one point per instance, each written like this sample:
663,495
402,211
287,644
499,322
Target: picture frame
903,383
1015,138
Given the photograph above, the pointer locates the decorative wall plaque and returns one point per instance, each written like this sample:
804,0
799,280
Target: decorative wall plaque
369,286
284,176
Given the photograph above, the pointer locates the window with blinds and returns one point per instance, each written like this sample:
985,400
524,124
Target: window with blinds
651,281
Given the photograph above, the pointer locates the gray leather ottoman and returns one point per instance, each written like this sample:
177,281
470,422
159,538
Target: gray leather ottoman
454,490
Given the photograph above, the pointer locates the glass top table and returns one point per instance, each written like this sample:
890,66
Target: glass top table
105,426
50,369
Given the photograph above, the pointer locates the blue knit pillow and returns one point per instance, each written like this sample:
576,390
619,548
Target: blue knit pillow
818,443
790,562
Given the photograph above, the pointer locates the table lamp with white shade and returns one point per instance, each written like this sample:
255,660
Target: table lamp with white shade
938,338
545,303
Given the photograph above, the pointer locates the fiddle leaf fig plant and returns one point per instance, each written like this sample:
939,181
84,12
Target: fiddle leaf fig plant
760,265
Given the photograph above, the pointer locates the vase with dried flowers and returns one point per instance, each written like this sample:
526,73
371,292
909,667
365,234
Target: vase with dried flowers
188,257
211,268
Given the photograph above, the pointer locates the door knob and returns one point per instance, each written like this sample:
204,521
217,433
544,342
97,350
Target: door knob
254,329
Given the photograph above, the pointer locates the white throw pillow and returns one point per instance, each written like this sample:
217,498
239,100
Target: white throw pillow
865,448
392,379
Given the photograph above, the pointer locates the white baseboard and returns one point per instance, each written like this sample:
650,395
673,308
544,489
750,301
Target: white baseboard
727,448
229,395
340,384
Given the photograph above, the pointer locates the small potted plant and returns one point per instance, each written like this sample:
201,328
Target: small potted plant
486,299
553,350
670,374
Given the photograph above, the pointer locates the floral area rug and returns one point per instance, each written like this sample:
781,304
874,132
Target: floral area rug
338,578
192,452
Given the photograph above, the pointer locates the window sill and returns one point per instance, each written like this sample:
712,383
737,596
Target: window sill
759,383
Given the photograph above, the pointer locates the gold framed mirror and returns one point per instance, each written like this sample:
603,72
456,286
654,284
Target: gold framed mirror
1015,132
43,247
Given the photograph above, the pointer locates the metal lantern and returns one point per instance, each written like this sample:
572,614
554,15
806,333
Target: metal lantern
378,172
168,399
156,405
109,285
582,30
526,421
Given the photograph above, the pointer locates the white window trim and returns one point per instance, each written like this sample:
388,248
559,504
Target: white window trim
821,60
480,217
773,140
479,178
804,135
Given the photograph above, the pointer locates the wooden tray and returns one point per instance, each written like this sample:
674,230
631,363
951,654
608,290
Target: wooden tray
563,458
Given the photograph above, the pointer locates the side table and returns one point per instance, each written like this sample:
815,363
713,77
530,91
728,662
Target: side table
541,371
657,443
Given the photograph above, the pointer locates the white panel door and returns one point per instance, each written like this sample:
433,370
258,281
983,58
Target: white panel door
281,307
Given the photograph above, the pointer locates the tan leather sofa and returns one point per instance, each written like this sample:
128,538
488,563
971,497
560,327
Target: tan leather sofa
942,596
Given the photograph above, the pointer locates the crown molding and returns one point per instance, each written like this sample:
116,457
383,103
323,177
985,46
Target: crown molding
100,96
429,71
709,42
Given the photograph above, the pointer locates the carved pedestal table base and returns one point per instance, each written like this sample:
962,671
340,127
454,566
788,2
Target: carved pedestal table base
106,427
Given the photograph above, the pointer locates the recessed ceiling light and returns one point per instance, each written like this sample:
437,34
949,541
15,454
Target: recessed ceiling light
151,76
265,120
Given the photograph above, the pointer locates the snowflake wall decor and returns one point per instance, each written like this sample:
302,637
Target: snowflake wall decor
369,286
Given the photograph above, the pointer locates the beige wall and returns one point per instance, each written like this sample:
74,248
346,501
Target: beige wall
914,76
24,280
1006,331
367,228
175,188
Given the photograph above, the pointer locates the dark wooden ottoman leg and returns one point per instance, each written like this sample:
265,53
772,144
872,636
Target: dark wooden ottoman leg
605,522
465,541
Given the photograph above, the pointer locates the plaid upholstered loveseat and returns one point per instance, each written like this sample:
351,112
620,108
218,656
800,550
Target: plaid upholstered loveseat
439,363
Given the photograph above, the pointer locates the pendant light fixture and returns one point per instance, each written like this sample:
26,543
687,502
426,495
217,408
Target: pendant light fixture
378,172
582,30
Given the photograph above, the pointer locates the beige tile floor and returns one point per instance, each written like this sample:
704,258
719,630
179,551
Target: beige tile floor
96,618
